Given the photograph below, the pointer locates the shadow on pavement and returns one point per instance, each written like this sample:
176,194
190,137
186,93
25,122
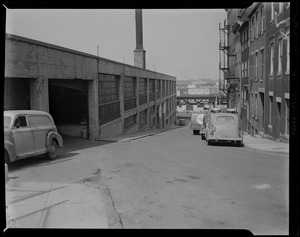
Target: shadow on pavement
230,144
71,144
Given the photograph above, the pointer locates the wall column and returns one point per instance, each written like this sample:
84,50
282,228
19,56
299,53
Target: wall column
121,97
137,101
39,94
93,109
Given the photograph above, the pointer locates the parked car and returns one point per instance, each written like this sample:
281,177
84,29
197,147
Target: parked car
181,122
197,124
223,127
30,133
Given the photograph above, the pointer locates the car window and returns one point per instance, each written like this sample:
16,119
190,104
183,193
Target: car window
21,121
6,121
36,120
225,119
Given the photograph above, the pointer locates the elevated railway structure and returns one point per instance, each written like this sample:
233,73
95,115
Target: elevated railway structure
197,99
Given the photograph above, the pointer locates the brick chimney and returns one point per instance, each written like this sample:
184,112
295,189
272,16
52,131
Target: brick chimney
139,52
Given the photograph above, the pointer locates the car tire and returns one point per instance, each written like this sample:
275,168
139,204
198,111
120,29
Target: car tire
52,154
202,136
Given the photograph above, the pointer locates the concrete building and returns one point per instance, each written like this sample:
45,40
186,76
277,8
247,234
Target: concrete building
87,95
277,73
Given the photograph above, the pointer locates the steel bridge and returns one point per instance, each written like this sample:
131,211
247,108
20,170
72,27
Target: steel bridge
196,99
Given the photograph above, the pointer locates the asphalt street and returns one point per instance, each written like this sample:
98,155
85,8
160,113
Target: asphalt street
174,180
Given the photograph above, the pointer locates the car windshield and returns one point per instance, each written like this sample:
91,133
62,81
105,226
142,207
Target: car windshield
7,121
225,119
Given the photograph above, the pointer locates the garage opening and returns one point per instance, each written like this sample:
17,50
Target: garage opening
68,105
16,94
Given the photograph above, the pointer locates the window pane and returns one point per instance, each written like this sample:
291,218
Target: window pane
39,120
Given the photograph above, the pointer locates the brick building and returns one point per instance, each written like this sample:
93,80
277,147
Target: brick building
257,37
261,64
277,73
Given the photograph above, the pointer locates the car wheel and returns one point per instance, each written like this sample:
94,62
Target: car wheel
202,137
52,154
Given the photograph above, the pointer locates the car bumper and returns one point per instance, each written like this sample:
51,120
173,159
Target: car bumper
228,139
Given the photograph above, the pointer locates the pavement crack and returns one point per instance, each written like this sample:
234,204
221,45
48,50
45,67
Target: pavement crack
114,223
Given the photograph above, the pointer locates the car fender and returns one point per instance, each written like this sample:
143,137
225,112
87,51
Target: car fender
11,150
54,135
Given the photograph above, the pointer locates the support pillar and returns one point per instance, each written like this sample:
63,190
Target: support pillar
39,94
93,110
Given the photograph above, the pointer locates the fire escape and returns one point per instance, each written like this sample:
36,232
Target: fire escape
228,73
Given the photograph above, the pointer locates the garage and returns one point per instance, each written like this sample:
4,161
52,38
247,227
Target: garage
68,105
16,94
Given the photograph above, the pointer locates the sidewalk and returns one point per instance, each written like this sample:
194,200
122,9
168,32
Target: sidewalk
53,205
139,135
264,144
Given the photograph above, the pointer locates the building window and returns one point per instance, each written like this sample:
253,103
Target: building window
287,116
279,109
280,8
272,11
288,4
143,118
262,20
279,56
243,75
288,54
272,59
242,38
109,102
252,28
151,89
246,69
253,105
130,121
257,24
270,110
256,106
262,62
256,65
142,91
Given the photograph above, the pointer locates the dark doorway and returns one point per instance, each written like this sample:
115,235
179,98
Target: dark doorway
68,101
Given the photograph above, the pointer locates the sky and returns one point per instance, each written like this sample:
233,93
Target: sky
179,42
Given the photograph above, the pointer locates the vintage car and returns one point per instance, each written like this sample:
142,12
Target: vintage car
197,124
30,133
223,127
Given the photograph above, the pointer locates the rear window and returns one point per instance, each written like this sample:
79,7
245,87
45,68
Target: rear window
37,120
225,119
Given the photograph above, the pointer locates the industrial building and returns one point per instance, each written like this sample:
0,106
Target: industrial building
88,96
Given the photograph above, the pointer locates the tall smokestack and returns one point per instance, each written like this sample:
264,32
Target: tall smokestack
139,52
